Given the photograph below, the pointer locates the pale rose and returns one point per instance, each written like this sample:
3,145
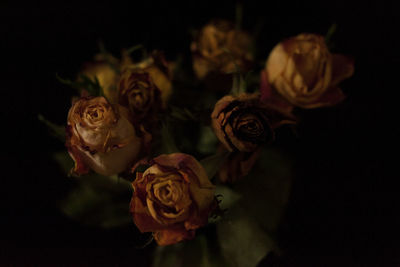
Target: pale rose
100,137
218,47
303,71
243,123
172,198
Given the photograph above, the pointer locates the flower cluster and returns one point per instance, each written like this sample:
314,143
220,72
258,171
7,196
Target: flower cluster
115,131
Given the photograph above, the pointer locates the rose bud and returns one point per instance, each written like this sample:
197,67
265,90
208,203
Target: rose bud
105,73
243,123
172,198
100,137
138,93
303,71
159,70
218,47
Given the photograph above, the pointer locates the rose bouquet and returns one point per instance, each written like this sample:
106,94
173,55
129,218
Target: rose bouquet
187,155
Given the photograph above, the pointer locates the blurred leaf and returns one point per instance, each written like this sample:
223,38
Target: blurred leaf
181,113
213,163
242,240
64,160
93,87
228,196
329,35
247,230
239,15
97,200
193,253
58,131
168,142
208,141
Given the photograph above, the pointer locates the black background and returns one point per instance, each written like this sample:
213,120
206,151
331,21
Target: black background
344,205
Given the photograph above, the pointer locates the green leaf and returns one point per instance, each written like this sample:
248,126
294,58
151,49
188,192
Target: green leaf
58,131
93,87
182,114
208,141
64,161
99,201
168,142
213,163
96,200
246,232
239,15
242,240
134,48
329,35
194,253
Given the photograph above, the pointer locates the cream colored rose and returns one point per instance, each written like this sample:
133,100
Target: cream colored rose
305,73
100,137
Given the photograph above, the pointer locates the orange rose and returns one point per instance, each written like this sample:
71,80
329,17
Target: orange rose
218,47
303,71
172,198
243,123
100,137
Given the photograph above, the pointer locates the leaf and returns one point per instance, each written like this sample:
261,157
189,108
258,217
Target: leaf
58,131
242,240
99,201
64,161
213,163
168,142
329,35
208,141
246,232
93,87
134,48
194,253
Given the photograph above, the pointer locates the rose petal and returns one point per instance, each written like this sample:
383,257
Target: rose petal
143,220
172,236
201,189
342,68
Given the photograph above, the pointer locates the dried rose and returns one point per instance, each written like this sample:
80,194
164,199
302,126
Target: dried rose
100,137
159,70
243,123
218,47
305,73
172,198
138,93
106,75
